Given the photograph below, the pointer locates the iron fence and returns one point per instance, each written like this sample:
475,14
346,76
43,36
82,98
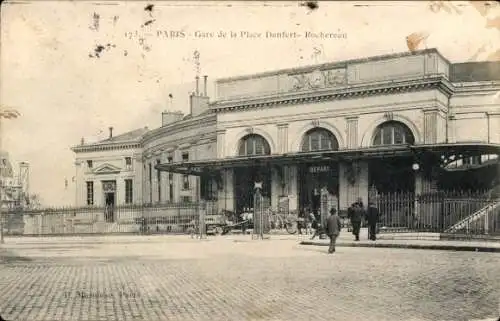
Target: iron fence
170,218
441,212
453,213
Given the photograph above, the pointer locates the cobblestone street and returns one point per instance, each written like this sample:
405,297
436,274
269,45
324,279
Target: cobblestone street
182,279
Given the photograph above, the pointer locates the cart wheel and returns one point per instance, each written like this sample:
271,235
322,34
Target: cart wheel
218,230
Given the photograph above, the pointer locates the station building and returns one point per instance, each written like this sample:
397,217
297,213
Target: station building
392,123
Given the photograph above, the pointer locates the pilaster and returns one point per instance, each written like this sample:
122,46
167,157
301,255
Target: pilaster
353,183
352,132
138,181
226,194
275,187
282,138
430,125
293,193
221,142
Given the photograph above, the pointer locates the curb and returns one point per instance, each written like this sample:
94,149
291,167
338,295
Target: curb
442,247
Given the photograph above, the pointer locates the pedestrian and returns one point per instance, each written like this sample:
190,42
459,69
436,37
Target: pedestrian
301,221
333,227
355,214
315,224
372,220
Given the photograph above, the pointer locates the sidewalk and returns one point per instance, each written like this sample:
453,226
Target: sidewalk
472,246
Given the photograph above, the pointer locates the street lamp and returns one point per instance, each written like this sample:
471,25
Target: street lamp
7,114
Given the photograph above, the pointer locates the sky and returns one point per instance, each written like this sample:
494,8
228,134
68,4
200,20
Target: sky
74,68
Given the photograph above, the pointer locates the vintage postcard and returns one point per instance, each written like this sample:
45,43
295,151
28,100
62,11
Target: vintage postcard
250,160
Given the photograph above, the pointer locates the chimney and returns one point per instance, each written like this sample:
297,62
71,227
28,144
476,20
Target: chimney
82,141
205,86
197,85
110,132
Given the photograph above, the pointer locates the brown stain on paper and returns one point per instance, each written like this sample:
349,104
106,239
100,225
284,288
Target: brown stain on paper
415,40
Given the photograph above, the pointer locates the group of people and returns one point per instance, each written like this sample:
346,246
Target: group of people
356,213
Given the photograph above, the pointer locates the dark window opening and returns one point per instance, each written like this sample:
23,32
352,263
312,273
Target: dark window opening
252,145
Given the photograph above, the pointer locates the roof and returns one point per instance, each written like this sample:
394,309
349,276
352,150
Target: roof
128,137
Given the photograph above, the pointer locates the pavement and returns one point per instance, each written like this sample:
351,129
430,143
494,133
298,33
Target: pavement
237,278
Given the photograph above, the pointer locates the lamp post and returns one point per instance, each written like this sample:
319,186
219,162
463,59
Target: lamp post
7,114
258,210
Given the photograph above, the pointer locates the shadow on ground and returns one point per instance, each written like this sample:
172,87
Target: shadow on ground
7,256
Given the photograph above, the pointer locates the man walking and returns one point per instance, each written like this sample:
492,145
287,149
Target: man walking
333,227
356,213
372,219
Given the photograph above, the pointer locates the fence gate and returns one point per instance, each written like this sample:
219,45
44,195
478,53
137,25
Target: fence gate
261,224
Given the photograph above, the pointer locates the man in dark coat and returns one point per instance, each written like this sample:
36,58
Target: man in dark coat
355,214
333,227
372,219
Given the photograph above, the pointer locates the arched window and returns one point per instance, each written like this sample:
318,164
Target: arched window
252,145
318,139
392,133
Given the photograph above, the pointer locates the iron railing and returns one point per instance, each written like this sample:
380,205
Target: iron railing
441,212
471,213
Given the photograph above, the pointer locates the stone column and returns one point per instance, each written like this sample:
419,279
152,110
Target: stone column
138,182
352,132
221,143
430,125
493,124
362,181
226,195
293,193
353,183
80,186
164,179
98,193
452,125
282,138
275,187
120,191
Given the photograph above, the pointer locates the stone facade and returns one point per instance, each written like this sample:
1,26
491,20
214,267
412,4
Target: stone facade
349,99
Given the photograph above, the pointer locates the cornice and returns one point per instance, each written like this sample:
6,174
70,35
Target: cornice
105,147
349,92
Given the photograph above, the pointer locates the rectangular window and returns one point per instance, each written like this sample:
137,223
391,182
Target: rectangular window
128,191
90,164
90,193
128,163
186,199
185,157
185,181
171,187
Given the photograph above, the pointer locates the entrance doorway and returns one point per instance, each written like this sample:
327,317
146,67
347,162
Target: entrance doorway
314,177
244,184
109,189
